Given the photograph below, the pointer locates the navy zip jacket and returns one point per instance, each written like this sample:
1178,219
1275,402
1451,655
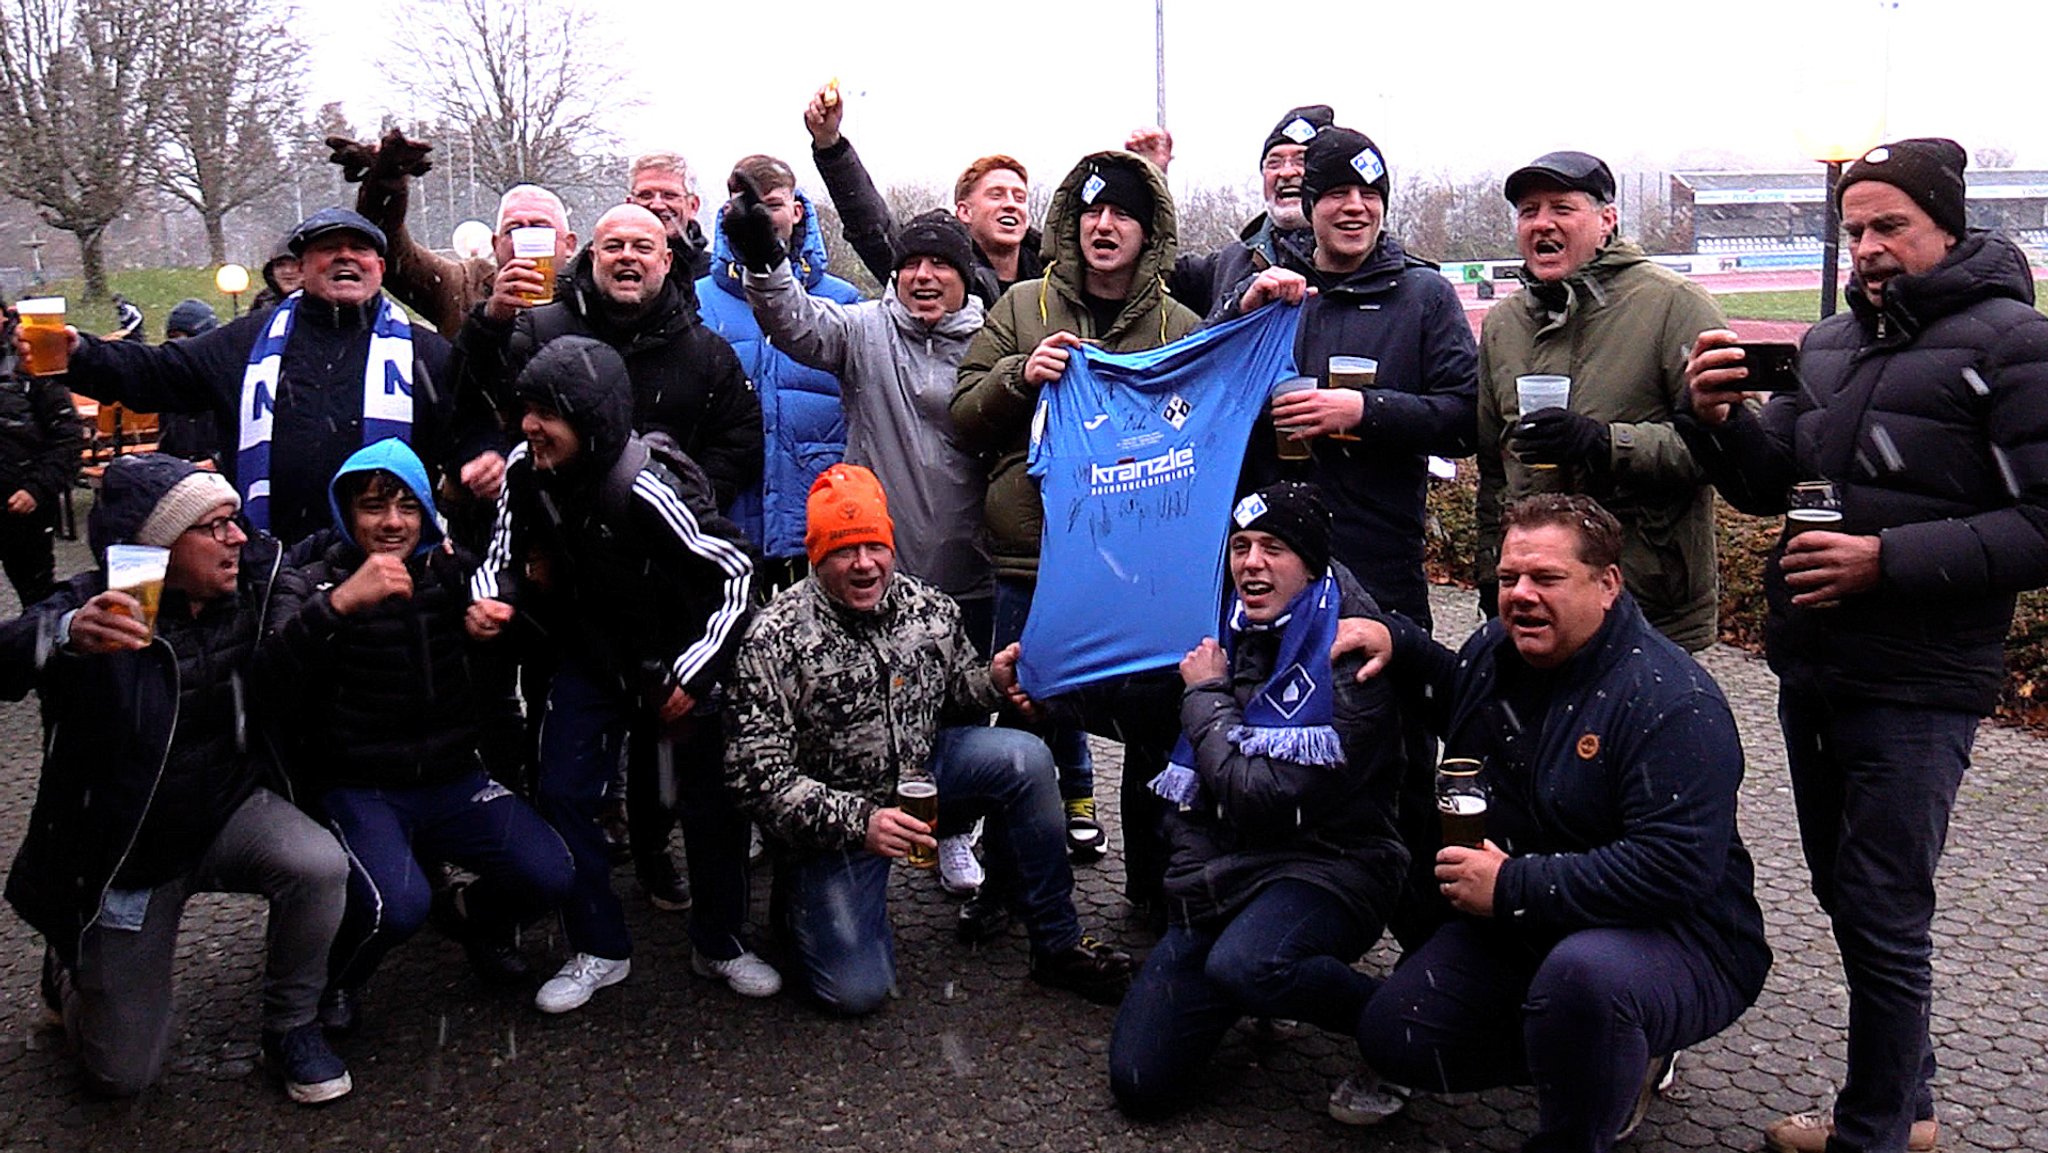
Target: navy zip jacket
1613,785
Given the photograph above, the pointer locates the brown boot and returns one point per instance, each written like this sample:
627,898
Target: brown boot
1809,1133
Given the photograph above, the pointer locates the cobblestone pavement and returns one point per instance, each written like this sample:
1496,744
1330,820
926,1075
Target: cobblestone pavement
976,1057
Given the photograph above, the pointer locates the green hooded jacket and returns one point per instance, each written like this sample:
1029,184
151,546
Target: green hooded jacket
992,405
1623,338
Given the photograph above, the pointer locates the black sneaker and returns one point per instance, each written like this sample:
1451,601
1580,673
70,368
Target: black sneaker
338,1010
1086,842
985,916
494,954
312,1072
666,888
1096,971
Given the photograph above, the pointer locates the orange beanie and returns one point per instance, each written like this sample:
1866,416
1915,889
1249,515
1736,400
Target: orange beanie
846,507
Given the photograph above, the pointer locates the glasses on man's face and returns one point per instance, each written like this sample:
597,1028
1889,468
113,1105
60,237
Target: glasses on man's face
223,528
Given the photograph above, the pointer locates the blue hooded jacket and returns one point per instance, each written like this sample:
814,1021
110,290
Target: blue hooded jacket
397,458
803,429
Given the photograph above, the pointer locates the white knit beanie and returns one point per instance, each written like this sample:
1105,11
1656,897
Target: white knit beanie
180,508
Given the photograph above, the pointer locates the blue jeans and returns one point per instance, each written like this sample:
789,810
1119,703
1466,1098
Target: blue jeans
1479,1006
580,740
1286,954
523,869
835,904
1874,784
1069,743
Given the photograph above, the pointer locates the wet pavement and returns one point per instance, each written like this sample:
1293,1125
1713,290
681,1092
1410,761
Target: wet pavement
975,1056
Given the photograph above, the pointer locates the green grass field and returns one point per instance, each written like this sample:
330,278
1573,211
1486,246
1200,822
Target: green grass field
154,290
1804,304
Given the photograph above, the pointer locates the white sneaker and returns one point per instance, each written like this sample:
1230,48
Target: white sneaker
582,976
746,974
959,871
1363,1099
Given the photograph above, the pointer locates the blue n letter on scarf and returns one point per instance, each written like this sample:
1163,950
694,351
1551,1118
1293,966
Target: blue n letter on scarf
261,403
394,380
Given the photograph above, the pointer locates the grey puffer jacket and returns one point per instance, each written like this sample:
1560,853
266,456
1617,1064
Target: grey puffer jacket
896,376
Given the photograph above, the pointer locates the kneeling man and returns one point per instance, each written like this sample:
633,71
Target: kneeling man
846,685
1608,917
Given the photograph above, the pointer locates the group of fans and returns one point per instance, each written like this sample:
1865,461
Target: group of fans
694,522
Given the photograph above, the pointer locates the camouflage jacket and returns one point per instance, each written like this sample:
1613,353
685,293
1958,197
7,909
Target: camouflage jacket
831,707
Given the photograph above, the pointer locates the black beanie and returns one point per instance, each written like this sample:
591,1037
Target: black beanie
1927,168
1295,513
939,235
1341,156
1122,183
1299,126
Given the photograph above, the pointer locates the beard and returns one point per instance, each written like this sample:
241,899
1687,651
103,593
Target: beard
1286,215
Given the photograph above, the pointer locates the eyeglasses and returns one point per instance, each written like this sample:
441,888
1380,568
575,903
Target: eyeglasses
218,528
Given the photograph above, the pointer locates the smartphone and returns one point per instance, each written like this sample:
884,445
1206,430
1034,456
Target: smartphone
1773,365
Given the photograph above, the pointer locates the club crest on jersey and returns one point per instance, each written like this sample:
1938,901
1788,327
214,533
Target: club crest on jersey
1176,411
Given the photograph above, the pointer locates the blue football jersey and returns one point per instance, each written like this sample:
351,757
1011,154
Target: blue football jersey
1137,458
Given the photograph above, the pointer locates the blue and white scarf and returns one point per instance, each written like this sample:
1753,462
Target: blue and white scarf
387,395
1290,715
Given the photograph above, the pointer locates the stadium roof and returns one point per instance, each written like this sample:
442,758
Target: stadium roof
1805,187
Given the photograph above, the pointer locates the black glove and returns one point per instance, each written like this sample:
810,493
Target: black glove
751,232
1561,436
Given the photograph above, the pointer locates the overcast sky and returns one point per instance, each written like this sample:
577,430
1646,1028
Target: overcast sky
1442,85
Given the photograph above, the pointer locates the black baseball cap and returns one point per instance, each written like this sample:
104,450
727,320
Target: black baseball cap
331,220
1572,171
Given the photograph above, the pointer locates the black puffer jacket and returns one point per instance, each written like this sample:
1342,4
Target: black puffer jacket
686,380
146,753
385,696
647,582
1332,827
1398,310
1930,414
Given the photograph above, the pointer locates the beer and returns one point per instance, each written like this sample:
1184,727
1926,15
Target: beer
1464,819
1353,372
138,570
42,324
1461,802
1291,448
1540,391
1798,520
538,245
920,799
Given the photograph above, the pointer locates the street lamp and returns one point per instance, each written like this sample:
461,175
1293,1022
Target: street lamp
472,239
1836,144
233,280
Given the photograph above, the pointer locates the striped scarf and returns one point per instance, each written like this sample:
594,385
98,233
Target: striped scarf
387,396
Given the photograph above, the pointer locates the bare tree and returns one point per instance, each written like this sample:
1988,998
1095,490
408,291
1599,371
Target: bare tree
82,91
1995,156
232,111
527,81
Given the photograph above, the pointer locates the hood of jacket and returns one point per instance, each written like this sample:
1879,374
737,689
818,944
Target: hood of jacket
808,259
1062,247
1588,283
585,381
1982,266
674,308
394,456
960,324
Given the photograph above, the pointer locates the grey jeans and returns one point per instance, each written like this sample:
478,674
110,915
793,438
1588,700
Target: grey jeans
117,1008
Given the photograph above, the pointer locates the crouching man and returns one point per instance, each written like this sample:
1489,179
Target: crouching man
372,649
155,786
1608,918
1284,857
850,682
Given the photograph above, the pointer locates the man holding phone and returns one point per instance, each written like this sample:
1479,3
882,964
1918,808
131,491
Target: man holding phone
1924,406
1595,309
